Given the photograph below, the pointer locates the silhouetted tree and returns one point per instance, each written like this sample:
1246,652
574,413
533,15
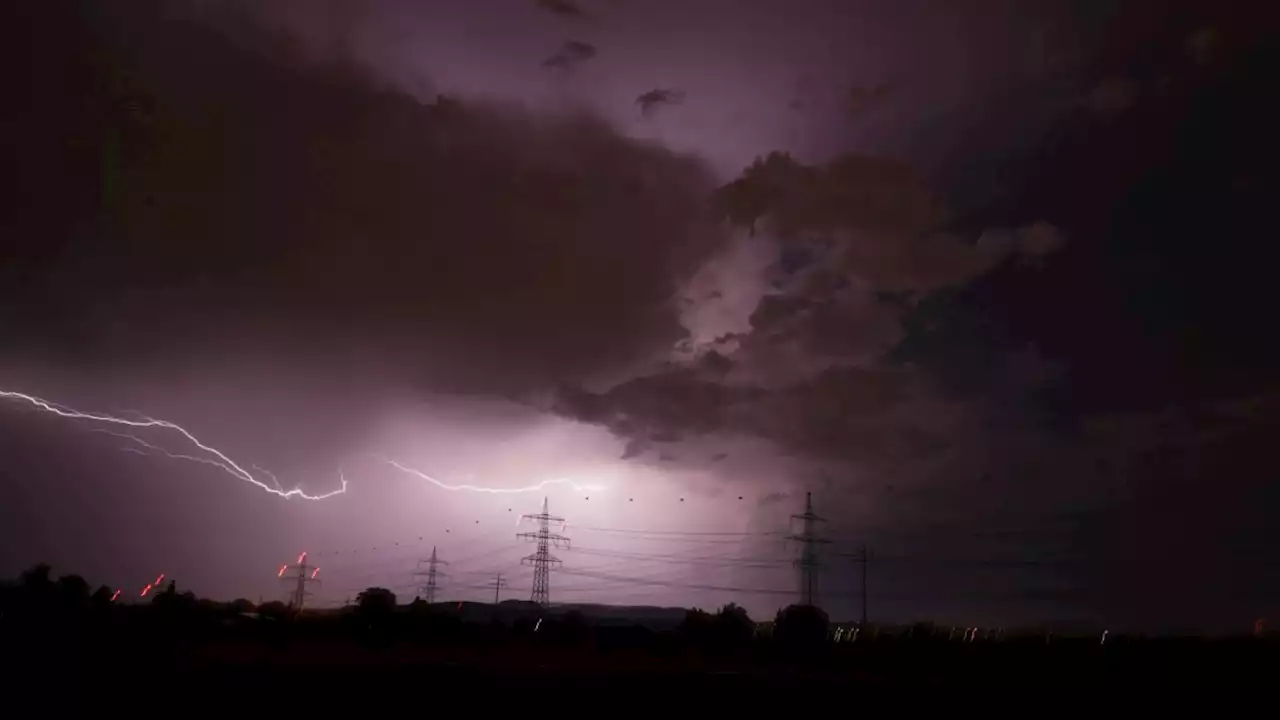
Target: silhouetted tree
273,609
734,626
240,606
101,597
173,602
37,578
696,626
922,632
574,625
801,627
728,630
376,602
165,598
36,590
73,591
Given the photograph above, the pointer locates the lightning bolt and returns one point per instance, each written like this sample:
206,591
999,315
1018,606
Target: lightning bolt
491,490
212,456
162,451
274,480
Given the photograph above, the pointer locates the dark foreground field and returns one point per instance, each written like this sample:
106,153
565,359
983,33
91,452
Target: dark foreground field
658,661
59,630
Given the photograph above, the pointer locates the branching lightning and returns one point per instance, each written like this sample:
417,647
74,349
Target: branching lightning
263,479
145,446
491,490
271,476
212,456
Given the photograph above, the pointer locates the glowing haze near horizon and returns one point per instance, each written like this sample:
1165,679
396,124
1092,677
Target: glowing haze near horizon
483,478
367,278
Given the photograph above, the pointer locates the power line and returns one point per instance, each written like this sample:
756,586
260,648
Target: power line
676,532
741,562
504,548
681,539
659,564
1021,593
664,583
698,553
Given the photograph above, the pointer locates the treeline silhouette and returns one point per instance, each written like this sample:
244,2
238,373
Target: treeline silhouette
62,621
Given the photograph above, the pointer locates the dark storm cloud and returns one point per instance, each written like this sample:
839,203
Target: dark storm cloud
671,404
1148,326
650,102
569,56
863,227
562,8
863,99
1051,363
860,241
773,499
219,193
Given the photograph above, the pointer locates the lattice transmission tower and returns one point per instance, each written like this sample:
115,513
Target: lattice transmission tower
808,563
498,583
301,575
427,591
542,560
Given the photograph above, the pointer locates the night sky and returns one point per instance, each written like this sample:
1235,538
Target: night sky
990,279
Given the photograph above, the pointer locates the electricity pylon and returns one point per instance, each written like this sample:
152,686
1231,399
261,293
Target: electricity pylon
302,575
542,560
498,583
808,561
428,588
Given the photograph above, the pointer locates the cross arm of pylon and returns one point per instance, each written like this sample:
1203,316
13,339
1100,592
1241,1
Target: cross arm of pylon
542,516
815,539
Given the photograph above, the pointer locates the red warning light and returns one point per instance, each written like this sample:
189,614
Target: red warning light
282,569
315,573
145,590
302,558
115,595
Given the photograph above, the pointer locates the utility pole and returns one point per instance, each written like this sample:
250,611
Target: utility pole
428,589
809,541
864,557
498,584
542,560
302,574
